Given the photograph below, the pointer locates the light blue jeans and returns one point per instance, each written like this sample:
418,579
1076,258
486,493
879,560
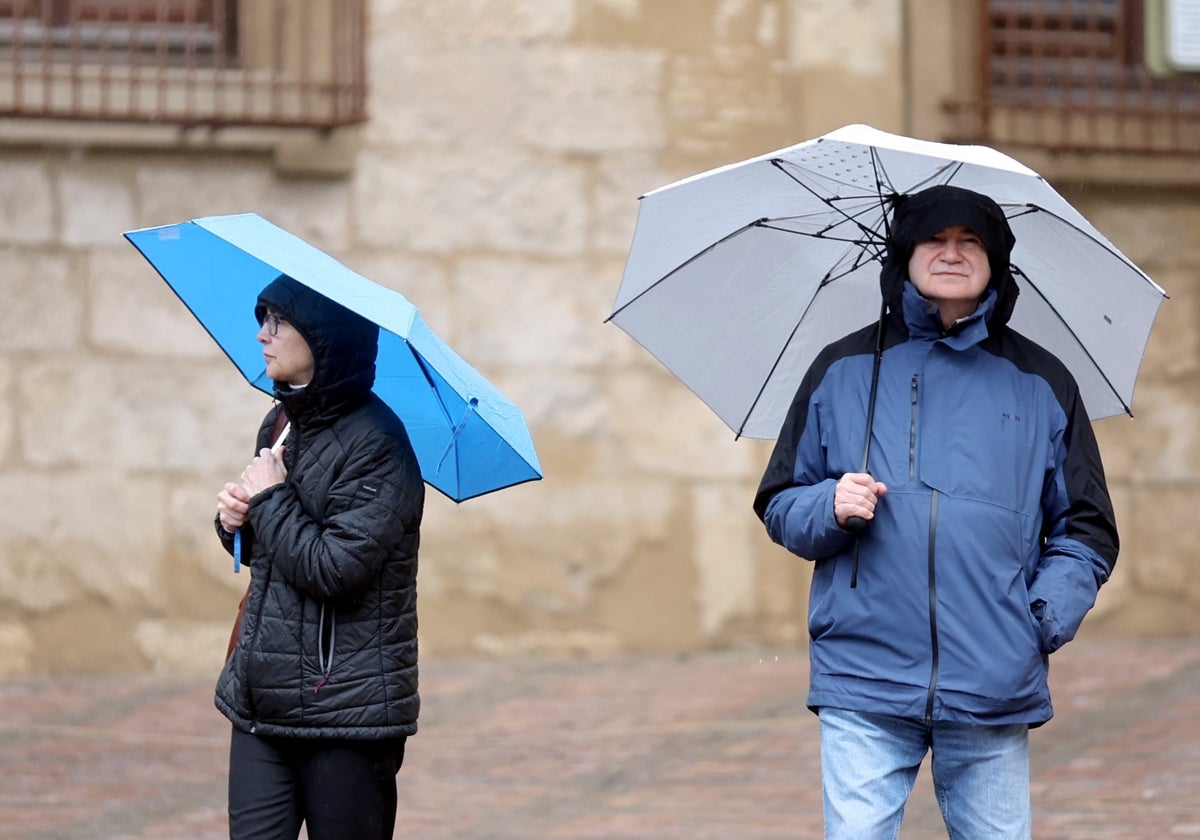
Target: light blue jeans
869,764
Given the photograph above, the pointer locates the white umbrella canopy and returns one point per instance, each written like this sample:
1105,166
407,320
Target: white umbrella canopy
738,277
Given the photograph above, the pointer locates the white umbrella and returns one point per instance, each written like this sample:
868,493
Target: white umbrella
738,277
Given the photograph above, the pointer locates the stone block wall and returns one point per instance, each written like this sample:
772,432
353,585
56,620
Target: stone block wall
496,186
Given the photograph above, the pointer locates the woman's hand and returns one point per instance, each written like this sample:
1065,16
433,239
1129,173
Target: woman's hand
264,471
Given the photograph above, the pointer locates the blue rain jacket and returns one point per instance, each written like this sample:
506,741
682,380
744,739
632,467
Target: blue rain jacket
991,542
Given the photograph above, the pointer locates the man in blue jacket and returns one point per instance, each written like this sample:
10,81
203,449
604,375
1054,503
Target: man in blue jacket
988,533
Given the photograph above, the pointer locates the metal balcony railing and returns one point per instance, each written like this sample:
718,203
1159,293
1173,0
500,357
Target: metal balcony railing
294,63
1071,75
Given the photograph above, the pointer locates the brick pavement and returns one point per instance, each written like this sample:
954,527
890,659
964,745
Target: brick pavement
712,746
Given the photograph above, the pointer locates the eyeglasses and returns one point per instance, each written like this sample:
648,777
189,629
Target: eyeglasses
271,322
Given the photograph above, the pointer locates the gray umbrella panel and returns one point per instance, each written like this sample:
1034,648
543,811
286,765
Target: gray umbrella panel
737,278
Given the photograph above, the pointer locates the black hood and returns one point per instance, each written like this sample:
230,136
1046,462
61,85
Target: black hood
344,345
918,216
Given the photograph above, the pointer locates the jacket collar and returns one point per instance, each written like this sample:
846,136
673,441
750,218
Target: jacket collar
924,323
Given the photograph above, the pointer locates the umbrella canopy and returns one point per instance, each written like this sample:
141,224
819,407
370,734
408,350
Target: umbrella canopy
738,277
469,438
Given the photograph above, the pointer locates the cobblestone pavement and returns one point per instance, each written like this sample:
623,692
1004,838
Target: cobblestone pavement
712,746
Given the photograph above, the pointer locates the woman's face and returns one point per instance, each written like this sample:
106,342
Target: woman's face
285,351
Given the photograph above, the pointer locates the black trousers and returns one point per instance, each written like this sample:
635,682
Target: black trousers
340,790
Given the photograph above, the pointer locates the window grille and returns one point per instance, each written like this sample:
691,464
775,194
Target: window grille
1072,75
184,62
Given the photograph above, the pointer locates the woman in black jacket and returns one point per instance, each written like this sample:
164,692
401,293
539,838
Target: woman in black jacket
321,683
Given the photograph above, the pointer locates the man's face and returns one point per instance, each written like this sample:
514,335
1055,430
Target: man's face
286,353
951,269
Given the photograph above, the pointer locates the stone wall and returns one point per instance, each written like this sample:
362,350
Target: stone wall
495,185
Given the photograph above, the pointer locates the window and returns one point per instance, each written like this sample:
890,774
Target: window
1072,74
187,62
120,26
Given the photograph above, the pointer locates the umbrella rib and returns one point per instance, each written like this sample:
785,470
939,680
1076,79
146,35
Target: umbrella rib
828,202
862,243
881,175
471,411
784,166
825,281
824,233
953,167
1086,352
1035,208
881,178
457,428
681,266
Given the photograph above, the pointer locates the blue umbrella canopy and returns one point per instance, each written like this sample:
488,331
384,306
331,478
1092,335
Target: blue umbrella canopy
469,438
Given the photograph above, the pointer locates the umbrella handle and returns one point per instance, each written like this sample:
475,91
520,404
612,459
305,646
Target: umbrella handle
855,524
282,437
237,533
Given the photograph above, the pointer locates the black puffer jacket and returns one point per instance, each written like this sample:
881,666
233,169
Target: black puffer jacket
327,645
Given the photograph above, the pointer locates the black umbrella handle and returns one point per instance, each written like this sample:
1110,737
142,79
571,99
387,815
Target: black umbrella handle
855,524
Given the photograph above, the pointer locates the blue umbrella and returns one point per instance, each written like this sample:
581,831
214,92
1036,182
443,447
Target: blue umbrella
469,438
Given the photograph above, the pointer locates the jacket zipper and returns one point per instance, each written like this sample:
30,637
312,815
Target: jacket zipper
912,434
933,631
931,563
326,663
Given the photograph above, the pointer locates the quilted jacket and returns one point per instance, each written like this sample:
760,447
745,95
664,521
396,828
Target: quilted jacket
327,646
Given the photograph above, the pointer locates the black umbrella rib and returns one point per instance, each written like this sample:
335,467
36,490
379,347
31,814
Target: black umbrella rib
825,281
872,249
783,166
1035,208
828,202
821,234
1017,272
881,176
681,266
953,167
